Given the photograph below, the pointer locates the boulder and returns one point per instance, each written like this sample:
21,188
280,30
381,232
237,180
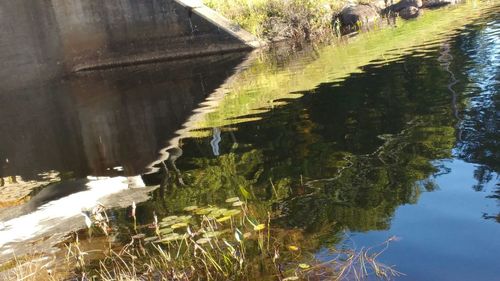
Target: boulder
405,4
438,3
358,15
409,13
380,4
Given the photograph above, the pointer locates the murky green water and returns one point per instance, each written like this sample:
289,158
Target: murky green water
394,134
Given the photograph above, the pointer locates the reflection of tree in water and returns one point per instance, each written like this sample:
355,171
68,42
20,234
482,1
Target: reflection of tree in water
481,132
339,157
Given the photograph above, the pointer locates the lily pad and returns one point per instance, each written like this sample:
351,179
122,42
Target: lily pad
211,234
238,203
223,219
217,212
178,225
232,199
205,211
191,208
166,230
203,240
232,212
166,223
151,239
184,218
172,237
169,218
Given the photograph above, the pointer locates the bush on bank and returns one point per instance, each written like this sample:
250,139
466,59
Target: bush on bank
281,19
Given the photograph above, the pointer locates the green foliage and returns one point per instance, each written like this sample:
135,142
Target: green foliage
278,19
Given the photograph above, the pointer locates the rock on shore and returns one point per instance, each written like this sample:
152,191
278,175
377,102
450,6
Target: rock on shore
353,17
357,16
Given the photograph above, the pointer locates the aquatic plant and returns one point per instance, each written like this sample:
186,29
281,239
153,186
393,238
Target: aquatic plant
230,242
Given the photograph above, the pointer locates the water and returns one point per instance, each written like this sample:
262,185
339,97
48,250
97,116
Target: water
104,124
394,134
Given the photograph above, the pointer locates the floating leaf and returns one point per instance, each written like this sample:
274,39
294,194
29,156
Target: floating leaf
304,266
247,235
166,230
179,225
232,212
167,223
184,218
238,203
223,219
191,208
218,212
169,218
205,211
203,240
232,199
293,248
292,278
151,239
211,234
259,227
172,237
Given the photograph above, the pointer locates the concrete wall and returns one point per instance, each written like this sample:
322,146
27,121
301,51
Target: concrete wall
43,37
30,44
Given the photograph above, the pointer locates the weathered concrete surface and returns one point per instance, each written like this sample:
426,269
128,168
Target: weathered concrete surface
42,37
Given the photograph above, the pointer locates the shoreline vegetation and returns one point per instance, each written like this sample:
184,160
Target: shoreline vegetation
233,242
276,20
315,20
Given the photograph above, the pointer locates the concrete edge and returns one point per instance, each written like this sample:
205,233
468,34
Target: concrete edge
156,58
248,40
223,23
